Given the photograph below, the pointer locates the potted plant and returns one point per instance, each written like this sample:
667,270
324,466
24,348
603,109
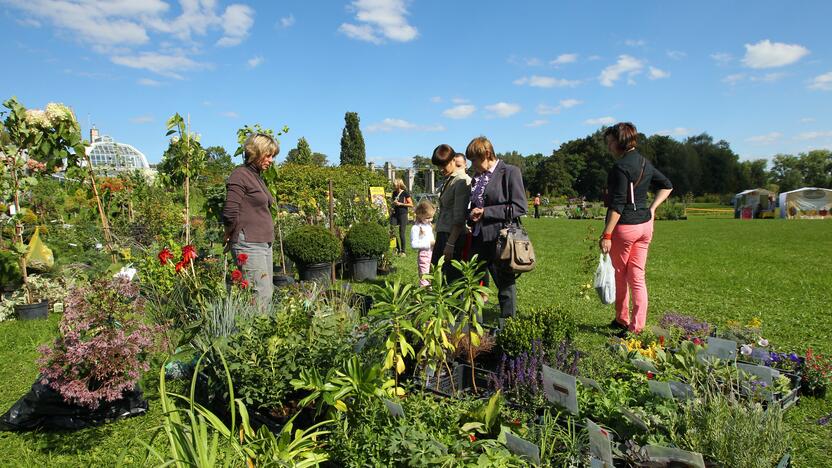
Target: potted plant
44,293
817,373
313,249
365,243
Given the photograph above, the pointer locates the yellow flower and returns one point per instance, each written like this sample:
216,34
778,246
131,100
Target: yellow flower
755,323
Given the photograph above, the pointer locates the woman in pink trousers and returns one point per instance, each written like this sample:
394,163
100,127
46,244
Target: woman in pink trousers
629,223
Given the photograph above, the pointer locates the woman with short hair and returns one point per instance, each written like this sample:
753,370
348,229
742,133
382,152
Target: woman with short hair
629,224
401,201
497,196
249,228
453,209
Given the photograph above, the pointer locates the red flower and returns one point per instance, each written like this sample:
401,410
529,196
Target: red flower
516,422
661,340
243,284
472,437
236,276
188,253
242,259
650,375
697,341
165,255
179,266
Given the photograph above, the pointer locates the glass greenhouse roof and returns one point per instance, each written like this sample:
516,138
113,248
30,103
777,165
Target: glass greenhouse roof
106,152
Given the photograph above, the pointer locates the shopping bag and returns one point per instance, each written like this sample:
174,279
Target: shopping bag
605,280
38,255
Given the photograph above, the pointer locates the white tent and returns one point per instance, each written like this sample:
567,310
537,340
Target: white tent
751,203
806,202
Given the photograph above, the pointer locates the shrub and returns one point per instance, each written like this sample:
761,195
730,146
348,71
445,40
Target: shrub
550,326
366,240
104,344
312,244
670,210
10,275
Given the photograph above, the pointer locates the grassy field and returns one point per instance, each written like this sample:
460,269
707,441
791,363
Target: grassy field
715,269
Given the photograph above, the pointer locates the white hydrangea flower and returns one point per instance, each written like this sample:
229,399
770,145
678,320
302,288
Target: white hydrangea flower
37,118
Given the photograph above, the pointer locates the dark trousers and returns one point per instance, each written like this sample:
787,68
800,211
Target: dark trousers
451,273
400,219
503,279
537,211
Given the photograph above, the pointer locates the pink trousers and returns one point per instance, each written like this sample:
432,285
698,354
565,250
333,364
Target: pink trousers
423,262
629,258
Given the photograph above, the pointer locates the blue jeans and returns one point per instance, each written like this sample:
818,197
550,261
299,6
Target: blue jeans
258,269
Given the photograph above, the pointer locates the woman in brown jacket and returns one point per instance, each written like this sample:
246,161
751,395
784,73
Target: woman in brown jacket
249,229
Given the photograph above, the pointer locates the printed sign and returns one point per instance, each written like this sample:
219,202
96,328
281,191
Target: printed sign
634,418
521,447
662,389
600,446
587,382
722,349
681,391
560,389
643,365
396,410
668,456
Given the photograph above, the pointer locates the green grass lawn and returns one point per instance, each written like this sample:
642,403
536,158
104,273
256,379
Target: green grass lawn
715,269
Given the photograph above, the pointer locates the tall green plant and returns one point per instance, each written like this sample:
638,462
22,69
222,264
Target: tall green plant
394,309
190,160
435,318
471,297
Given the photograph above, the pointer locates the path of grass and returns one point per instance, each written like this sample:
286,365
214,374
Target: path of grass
713,269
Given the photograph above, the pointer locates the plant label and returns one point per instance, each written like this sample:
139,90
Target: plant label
681,391
671,456
587,382
600,446
521,447
634,419
763,373
722,349
644,365
760,354
396,410
662,389
659,331
560,389
12,209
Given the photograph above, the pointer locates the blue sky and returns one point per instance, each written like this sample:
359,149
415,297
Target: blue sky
529,75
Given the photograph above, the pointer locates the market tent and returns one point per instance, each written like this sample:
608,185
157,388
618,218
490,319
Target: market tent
806,202
750,203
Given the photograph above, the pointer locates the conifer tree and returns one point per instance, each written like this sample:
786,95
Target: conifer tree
352,142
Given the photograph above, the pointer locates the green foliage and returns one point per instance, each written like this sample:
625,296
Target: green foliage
352,142
302,154
549,325
309,245
393,311
366,240
670,210
9,269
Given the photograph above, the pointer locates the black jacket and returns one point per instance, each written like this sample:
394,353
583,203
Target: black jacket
627,170
495,199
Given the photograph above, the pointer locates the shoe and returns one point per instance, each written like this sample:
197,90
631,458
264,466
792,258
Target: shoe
616,324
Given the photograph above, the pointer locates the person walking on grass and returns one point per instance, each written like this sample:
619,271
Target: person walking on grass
628,229
536,203
421,239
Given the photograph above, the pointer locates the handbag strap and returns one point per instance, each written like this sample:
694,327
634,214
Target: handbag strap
638,181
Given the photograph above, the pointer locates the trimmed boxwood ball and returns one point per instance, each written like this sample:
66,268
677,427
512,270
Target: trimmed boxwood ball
366,240
309,245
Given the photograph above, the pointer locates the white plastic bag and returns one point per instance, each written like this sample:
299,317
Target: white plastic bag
605,280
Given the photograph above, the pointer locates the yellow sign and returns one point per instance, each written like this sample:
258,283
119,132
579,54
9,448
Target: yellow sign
378,198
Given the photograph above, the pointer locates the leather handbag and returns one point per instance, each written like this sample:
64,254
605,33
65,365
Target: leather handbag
515,251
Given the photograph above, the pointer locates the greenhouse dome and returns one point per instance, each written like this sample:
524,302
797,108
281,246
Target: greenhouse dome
106,152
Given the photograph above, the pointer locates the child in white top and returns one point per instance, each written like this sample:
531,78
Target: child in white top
422,239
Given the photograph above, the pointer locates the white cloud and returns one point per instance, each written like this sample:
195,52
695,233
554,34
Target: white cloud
822,82
503,109
142,119
436,99
635,42
563,59
544,109
657,74
525,61
255,61
461,111
379,19
767,54
388,125
230,114
236,23
286,21
676,54
734,79
600,121
626,65
766,139
546,82
677,132
537,123
814,135
807,120
165,65
459,100
29,22
722,57
593,58
769,77
148,82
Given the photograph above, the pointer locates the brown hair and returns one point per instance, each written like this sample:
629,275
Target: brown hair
480,148
442,154
624,134
259,146
424,210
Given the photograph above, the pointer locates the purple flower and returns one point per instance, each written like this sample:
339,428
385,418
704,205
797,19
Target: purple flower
745,350
794,357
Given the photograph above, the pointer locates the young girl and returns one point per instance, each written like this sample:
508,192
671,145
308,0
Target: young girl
421,238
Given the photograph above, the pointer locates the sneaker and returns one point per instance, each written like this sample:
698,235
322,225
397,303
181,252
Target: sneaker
616,324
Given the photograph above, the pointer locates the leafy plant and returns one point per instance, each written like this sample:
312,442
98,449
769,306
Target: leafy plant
366,240
309,245
561,444
548,325
435,317
817,370
471,294
394,310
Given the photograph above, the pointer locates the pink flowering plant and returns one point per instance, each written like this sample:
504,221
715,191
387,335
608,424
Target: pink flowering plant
104,344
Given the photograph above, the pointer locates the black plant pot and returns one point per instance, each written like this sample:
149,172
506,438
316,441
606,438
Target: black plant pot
364,269
318,272
816,392
282,281
32,311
